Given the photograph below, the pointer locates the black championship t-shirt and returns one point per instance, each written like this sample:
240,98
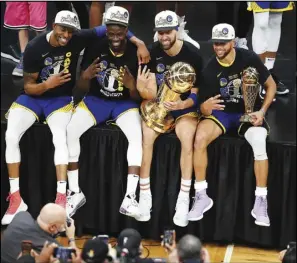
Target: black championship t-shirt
106,85
226,80
161,62
47,60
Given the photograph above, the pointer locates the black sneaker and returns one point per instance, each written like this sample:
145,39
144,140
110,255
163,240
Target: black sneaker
262,94
281,88
11,52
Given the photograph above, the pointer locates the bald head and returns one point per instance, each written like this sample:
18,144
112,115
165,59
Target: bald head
189,247
52,213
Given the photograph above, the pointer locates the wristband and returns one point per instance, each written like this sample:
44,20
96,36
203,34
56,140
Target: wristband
193,96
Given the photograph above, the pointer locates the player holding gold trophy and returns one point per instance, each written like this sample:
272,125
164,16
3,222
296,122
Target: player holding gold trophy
171,80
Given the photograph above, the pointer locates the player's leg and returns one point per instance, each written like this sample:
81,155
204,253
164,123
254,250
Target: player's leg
273,38
20,118
145,197
256,136
58,112
128,119
38,15
207,131
185,130
88,113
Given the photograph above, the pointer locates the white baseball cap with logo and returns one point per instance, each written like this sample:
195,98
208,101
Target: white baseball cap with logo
117,15
166,20
222,33
67,19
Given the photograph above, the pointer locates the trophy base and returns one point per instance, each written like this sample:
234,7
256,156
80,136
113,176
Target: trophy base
159,125
245,118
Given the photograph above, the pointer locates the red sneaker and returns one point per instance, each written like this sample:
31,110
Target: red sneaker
61,199
16,204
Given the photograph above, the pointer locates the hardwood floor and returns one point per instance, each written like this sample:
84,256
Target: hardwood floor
218,253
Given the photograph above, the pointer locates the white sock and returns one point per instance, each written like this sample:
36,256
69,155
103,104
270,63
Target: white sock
61,187
132,183
269,63
73,181
144,184
261,191
185,186
14,184
199,186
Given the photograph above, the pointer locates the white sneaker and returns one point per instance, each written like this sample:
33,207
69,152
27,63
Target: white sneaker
145,206
183,34
74,202
182,209
130,206
241,43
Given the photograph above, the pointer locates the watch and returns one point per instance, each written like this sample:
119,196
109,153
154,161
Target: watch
71,240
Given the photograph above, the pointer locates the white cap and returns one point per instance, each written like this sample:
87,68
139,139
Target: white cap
222,33
67,19
166,20
117,15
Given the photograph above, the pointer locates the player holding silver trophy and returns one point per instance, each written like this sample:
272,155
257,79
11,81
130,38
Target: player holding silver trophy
230,88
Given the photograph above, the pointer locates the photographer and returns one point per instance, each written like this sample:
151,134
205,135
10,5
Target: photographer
49,224
188,249
129,247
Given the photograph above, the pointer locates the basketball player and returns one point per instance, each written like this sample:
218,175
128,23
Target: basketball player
109,73
179,9
267,33
167,51
222,106
50,62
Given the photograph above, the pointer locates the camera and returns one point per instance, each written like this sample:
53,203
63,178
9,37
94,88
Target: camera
63,253
168,237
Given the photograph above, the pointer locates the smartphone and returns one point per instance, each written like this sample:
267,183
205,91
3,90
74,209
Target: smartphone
104,238
168,236
26,247
63,253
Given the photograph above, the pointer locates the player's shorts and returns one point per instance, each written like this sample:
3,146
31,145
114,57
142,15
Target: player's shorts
191,112
25,15
44,107
102,110
227,121
270,6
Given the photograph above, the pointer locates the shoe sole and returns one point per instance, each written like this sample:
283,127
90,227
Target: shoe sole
7,223
16,74
7,56
143,218
205,210
126,213
178,223
80,204
282,92
258,222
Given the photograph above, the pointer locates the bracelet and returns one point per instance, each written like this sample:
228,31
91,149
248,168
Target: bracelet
71,240
193,96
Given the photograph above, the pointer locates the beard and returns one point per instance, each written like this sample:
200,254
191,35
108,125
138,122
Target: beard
167,47
225,54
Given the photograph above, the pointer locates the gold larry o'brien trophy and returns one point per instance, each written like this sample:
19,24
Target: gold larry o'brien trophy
250,89
179,79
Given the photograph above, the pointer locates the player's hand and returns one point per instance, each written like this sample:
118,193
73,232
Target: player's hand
143,54
46,252
92,70
57,79
176,105
143,77
257,118
127,78
214,103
